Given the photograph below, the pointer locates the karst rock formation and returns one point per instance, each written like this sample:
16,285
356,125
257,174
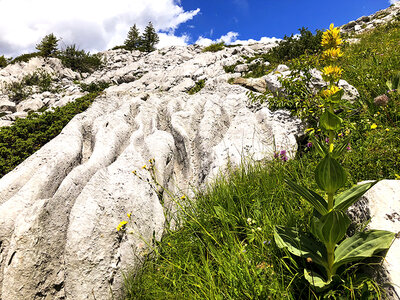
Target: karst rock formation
59,209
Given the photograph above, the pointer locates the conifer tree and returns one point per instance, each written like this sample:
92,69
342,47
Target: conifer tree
132,41
3,61
48,45
149,39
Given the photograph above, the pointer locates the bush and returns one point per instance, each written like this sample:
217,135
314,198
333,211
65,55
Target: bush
26,136
197,88
18,91
294,46
94,87
79,60
214,47
24,57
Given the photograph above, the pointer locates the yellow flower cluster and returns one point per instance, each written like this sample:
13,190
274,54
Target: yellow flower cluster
332,53
332,73
121,225
330,91
331,38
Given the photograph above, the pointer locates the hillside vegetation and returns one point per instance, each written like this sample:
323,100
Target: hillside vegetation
224,248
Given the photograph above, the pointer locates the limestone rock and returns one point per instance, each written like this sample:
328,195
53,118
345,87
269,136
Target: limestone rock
254,84
60,208
30,105
381,205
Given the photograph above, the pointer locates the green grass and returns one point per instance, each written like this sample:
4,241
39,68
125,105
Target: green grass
217,254
214,47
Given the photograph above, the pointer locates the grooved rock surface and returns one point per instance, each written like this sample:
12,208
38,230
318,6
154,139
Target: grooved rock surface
60,208
381,207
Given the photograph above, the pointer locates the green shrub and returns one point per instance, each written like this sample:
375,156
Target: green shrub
214,47
197,88
18,91
24,57
79,60
94,87
294,46
26,136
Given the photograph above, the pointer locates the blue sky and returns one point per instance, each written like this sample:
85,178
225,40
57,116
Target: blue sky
253,19
97,25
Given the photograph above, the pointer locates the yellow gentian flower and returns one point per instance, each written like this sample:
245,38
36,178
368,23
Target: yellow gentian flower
331,37
374,126
330,91
332,53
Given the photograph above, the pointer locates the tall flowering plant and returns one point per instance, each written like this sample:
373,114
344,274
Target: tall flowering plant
328,247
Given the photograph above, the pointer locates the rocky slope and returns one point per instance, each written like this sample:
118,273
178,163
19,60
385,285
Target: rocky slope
60,208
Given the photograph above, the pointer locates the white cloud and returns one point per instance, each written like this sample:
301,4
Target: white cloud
393,1
93,25
167,40
231,38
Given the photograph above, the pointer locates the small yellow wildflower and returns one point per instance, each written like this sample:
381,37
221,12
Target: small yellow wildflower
330,91
397,176
129,215
387,129
331,37
374,126
144,167
332,73
183,197
332,53
121,225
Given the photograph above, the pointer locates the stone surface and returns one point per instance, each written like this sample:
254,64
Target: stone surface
59,209
254,84
381,205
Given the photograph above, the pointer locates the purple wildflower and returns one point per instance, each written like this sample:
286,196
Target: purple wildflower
309,145
327,140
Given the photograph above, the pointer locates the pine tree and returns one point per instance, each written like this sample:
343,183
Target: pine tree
3,61
149,39
48,45
132,41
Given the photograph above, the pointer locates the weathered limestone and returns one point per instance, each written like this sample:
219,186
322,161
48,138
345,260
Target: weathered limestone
59,209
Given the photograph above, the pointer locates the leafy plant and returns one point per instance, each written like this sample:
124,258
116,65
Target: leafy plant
18,91
48,46
94,87
79,60
294,46
26,136
328,248
214,47
24,57
197,88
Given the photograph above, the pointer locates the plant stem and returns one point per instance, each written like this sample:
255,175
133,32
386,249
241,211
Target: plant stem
331,259
330,201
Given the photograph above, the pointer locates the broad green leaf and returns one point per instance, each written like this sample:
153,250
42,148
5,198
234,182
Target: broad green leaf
337,96
300,245
321,149
316,200
330,175
347,198
362,245
330,122
338,150
331,228
316,280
